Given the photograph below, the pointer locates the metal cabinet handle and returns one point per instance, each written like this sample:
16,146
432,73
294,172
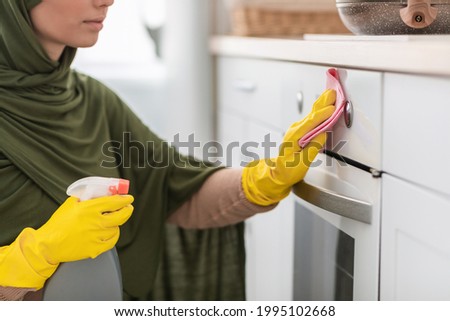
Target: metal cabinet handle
335,203
348,114
300,101
244,85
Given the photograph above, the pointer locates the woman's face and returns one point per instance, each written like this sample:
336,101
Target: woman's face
74,23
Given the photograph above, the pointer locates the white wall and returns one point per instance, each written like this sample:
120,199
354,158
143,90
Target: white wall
124,58
173,94
186,55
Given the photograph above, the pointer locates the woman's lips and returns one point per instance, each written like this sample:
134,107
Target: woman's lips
96,25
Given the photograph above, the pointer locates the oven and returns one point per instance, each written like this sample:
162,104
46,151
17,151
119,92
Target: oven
338,204
337,233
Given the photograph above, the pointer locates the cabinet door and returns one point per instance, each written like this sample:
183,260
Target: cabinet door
415,243
269,237
416,129
231,134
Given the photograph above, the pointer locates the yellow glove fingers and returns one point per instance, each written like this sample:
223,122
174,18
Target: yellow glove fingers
313,148
314,119
109,203
112,237
328,97
293,167
107,240
117,218
108,237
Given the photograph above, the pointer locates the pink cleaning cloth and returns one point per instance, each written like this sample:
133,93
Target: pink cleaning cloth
333,82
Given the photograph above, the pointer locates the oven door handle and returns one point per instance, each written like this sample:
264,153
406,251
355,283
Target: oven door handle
335,203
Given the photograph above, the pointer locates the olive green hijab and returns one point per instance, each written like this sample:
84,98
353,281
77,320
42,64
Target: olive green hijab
57,125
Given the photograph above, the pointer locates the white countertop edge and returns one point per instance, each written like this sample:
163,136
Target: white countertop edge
428,57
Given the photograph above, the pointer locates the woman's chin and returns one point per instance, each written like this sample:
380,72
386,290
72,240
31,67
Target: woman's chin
85,43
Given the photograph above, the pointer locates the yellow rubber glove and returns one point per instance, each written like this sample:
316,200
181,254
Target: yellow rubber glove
268,181
77,230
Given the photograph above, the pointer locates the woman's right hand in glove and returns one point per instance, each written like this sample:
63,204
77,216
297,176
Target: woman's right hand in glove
77,230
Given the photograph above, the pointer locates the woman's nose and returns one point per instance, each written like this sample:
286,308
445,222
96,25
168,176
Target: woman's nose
104,3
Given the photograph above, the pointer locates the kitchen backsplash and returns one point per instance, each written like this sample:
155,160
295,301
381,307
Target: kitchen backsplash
283,18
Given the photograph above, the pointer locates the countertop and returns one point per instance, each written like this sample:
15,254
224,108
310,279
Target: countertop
428,55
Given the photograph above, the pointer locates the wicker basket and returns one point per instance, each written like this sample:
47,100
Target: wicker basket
289,21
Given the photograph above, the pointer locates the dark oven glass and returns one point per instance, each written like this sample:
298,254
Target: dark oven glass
323,259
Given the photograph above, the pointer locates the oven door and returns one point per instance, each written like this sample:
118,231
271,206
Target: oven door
337,233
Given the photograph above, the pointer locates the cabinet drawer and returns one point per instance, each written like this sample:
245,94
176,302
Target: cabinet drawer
416,129
250,87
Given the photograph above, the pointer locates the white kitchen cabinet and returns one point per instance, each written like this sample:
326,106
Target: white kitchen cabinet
416,129
415,248
249,109
400,127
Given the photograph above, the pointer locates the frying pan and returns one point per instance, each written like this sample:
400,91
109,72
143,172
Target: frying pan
392,17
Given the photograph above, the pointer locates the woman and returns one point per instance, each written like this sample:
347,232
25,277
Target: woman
57,126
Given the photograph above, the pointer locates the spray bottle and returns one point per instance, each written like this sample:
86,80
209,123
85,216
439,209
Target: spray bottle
90,279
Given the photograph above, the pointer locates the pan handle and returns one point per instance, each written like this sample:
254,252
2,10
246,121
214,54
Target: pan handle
418,14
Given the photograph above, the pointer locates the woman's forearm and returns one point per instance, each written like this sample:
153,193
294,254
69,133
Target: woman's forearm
219,202
13,294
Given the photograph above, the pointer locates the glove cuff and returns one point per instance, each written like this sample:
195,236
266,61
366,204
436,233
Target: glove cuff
25,266
259,187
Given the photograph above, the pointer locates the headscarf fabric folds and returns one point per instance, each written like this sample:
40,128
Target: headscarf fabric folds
57,126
